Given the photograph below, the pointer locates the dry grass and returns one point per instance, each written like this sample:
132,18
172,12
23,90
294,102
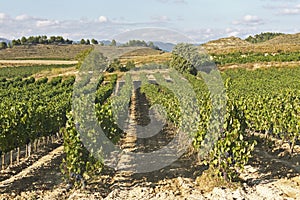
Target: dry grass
284,43
9,63
253,66
70,71
208,181
53,52
141,60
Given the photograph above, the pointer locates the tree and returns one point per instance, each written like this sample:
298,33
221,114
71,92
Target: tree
187,58
88,41
23,40
3,45
114,65
16,42
262,37
68,41
94,41
113,43
52,40
129,65
82,41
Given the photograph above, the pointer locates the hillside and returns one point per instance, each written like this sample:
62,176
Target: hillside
144,56
53,52
292,39
225,43
283,43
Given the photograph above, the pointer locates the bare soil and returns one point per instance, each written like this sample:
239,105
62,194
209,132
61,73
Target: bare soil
58,52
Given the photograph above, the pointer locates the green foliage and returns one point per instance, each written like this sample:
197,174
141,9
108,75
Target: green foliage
33,40
94,41
187,59
116,65
113,43
262,37
82,56
56,80
31,109
269,100
78,160
232,149
140,43
240,58
129,65
26,71
3,45
82,41
104,90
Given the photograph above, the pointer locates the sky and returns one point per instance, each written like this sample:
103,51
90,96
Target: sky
197,20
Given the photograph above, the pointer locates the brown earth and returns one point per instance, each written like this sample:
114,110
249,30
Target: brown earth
53,52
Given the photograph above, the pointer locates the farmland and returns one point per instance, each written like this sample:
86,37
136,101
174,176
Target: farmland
256,153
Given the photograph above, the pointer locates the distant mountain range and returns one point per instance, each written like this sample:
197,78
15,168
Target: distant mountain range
4,40
164,46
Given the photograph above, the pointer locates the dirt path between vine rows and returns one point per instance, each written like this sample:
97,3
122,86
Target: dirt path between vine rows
33,181
37,62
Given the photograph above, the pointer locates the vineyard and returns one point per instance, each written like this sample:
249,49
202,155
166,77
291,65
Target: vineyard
220,131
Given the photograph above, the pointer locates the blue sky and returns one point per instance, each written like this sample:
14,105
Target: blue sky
197,19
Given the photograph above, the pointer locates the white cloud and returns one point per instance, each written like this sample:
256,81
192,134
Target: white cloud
46,23
249,20
161,18
284,9
102,19
290,11
180,1
22,17
26,25
3,16
293,10
173,1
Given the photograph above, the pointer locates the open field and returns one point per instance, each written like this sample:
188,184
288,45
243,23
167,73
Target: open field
39,52
35,62
259,65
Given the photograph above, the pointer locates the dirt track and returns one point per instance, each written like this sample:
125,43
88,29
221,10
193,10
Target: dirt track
37,62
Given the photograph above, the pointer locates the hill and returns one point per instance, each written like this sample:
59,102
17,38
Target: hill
283,43
293,39
225,43
52,52
262,37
